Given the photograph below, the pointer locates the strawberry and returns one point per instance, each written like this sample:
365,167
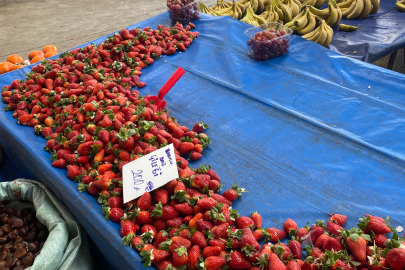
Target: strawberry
126,141
175,222
220,198
293,265
333,228
160,225
233,193
257,219
396,258
244,222
115,202
116,214
339,219
380,240
238,261
193,256
176,242
154,255
142,217
164,265
180,256
196,156
258,234
200,181
211,251
316,230
84,148
127,231
374,225
203,225
161,195
282,250
248,240
207,203
332,244
137,243
339,264
214,262
218,243
199,127
301,232
321,240
290,227
377,264
274,235
161,236
198,239
220,231
275,263
357,245
309,264
184,208
145,201
73,171
60,163
296,249
186,147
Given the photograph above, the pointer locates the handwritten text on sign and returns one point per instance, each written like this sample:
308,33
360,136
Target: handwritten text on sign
149,172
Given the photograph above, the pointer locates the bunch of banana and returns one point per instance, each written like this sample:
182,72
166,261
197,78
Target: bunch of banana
207,10
315,3
268,16
221,5
256,5
322,34
281,11
332,15
303,23
294,5
233,11
252,18
352,9
400,5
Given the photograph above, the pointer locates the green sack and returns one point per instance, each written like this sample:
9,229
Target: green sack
66,247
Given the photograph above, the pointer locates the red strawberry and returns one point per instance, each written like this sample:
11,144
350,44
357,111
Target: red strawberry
309,264
184,208
257,219
127,231
274,235
60,163
199,127
177,242
221,199
332,244
214,262
186,147
73,171
293,265
220,231
339,219
137,243
116,214
258,234
207,203
145,201
321,240
143,217
377,264
314,252
84,148
161,195
198,239
333,228
233,193
275,263
282,249
357,246
203,225
211,251
244,222
160,237
238,261
115,202
316,230
213,175
218,243
396,258
380,240
175,222
193,256
154,255
248,239
180,256
148,233
376,226
200,181
300,233
296,249
339,264
197,156
163,265
290,227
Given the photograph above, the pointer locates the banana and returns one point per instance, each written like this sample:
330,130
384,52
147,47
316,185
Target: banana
347,28
303,21
330,35
310,26
249,17
224,11
357,11
279,12
338,9
323,13
255,5
286,12
291,23
346,4
298,4
333,16
207,10
323,36
349,10
260,7
295,9
368,7
312,36
376,6
259,19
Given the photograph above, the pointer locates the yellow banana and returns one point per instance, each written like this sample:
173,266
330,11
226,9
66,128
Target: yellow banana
319,3
249,17
323,34
347,28
349,10
357,11
291,23
260,7
376,6
312,36
368,6
310,26
207,10
323,13
346,4
255,5
286,12
333,16
330,35
303,21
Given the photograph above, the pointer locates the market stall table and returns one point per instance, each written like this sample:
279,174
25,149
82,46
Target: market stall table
377,35
308,134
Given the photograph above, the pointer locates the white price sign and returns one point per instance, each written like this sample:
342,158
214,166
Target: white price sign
149,172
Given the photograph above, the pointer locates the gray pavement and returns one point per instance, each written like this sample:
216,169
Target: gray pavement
27,25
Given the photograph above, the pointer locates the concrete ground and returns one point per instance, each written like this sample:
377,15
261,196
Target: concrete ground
27,25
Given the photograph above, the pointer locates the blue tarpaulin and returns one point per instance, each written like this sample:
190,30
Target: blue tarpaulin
377,35
308,134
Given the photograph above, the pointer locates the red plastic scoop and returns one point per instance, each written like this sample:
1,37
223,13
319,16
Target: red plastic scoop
160,103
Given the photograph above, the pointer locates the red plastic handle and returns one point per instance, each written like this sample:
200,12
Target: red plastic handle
170,83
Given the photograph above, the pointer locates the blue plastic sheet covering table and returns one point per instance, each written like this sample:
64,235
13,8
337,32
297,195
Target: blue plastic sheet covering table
307,134
377,35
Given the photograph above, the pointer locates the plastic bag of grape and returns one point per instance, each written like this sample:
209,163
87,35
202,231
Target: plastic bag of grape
66,246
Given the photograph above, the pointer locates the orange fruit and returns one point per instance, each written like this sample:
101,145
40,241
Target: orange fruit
5,67
31,55
14,67
37,59
15,59
50,54
49,48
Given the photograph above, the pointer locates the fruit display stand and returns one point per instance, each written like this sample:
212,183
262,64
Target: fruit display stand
307,134
377,35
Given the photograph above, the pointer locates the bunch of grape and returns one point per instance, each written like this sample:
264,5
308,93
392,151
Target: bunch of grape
269,44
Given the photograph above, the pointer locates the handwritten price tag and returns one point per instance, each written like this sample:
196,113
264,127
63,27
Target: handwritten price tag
149,172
